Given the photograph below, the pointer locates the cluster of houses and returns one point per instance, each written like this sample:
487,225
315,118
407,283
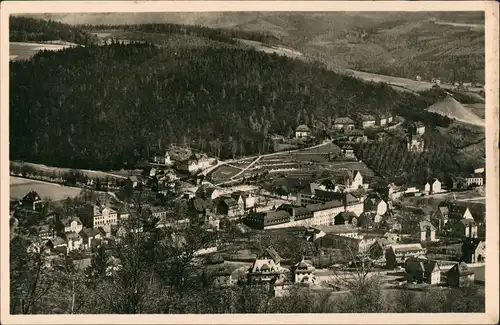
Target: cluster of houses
210,204
353,132
459,85
435,186
267,271
90,226
184,160
331,216
351,127
421,269
94,225
318,204
322,200
417,264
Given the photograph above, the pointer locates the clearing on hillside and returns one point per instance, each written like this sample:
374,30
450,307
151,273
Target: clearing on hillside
451,108
25,51
19,187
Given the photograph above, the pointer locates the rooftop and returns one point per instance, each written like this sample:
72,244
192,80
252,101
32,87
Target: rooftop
302,128
32,196
402,248
426,224
230,202
367,118
304,266
462,269
72,235
354,132
343,120
335,229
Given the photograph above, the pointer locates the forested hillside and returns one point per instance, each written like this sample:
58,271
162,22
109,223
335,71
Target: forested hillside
27,29
104,107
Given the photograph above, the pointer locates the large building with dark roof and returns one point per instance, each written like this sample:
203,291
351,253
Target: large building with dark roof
314,214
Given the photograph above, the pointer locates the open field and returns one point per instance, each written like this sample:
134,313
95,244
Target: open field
308,161
125,173
478,27
317,150
409,84
470,196
19,187
60,170
24,51
280,50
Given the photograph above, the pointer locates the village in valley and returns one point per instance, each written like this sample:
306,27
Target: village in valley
317,204
317,195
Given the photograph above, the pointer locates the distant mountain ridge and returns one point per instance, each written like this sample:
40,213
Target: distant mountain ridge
447,46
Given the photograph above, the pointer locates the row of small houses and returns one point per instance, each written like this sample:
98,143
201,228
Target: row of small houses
347,123
459,84
435,186
78,238
86,239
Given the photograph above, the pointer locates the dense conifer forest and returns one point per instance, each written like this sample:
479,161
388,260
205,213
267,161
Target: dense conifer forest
27,29
107,106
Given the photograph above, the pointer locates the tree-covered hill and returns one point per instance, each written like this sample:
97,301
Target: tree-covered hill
106,106
27,29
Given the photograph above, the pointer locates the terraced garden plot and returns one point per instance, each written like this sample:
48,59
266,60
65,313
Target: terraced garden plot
243,163
223,173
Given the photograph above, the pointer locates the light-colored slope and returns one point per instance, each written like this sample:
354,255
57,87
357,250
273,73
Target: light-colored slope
451,108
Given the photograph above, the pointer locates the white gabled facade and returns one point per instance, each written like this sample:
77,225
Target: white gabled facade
433,187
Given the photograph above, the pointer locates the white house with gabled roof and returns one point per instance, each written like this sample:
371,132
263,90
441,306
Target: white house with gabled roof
433,187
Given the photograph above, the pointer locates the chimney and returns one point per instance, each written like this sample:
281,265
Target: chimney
345,201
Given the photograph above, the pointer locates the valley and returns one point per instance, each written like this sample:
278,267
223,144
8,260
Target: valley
247,162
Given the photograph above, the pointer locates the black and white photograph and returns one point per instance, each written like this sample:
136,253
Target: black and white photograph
250,162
